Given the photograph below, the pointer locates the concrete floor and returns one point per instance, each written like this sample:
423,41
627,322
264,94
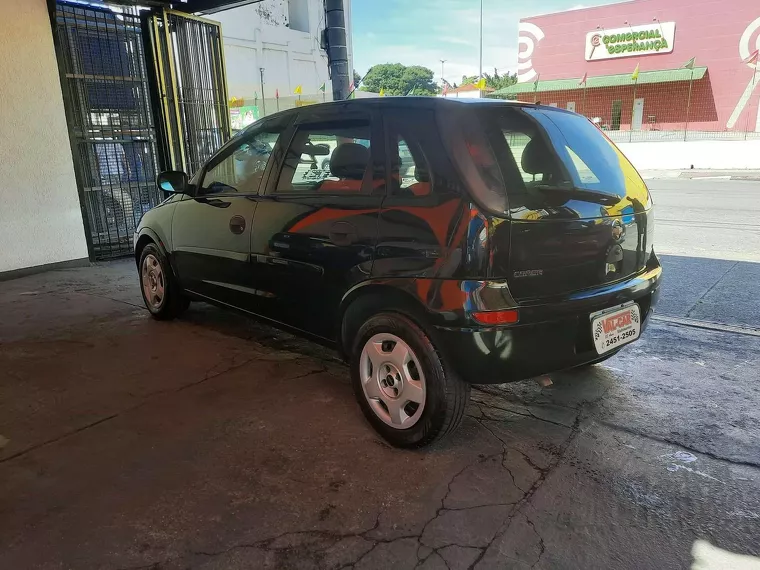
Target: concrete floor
217,442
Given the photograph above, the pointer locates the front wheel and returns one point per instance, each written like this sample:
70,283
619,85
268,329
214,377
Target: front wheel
161,294
402,384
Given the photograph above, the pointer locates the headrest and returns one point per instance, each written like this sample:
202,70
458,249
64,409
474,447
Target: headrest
537,158
350,161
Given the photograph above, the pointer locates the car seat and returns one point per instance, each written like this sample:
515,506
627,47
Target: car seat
422,186
539,160
348,163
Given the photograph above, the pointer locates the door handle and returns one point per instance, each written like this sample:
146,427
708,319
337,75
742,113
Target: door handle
237,224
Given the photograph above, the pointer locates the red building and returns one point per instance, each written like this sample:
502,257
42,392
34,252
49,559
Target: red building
586,60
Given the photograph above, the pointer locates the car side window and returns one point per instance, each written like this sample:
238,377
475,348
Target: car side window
333,157
409,166
241,169
516,143
410,172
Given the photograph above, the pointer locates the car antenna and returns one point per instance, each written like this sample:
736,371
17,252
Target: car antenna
356,86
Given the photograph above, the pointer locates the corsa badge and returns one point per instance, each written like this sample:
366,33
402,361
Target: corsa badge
528,273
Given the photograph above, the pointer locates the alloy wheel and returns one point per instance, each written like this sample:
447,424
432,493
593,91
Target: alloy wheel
392,380
153,282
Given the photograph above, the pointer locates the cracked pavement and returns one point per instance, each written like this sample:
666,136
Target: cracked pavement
217,442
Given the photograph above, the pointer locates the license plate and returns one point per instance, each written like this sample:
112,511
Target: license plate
613,328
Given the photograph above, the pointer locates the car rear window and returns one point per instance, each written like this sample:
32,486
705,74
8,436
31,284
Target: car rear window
546,155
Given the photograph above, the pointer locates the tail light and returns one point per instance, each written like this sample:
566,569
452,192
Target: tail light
508,317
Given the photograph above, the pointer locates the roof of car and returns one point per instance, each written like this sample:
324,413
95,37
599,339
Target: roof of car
428,102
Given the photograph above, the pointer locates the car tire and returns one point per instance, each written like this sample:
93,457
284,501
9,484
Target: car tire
394,365
161,293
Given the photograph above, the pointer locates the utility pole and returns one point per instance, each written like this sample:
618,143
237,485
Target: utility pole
337,48
443,81
263,97
480,68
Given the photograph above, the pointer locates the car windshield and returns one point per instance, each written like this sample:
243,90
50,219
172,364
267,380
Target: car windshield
592,160
554,157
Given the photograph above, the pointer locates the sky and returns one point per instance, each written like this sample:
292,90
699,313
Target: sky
423,32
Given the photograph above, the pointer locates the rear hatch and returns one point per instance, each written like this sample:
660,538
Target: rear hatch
579,214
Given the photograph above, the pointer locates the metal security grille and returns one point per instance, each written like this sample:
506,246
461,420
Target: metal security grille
104,77
191,77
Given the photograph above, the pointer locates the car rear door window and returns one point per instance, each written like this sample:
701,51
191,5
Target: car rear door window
417,161
410,172
328,158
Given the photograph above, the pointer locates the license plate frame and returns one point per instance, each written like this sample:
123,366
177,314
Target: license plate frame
615,333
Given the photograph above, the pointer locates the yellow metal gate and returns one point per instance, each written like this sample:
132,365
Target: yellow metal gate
192,85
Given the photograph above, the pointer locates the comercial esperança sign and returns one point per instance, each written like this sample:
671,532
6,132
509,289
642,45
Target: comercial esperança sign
650,39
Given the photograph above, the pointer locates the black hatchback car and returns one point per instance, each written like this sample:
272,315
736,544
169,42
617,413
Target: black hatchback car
445,243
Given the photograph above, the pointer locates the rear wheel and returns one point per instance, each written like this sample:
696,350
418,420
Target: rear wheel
161,294
403,386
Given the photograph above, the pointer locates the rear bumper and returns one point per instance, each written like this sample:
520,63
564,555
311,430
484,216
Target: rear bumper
549,337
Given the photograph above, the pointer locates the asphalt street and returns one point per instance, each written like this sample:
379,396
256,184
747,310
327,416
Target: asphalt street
217,442
708,236
708,218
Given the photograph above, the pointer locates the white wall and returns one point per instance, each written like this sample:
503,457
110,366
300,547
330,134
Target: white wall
722,155
256,36
40,219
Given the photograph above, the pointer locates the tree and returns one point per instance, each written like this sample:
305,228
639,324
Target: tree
494,81
398,79
357,79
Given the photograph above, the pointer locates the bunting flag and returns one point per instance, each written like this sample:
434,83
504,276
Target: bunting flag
382,92
690,64
584,79
753,57
323,87
535,83
635,74
445,89
481,84
276,93
298,90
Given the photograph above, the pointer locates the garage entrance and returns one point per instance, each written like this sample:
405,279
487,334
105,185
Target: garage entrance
111,127
135,107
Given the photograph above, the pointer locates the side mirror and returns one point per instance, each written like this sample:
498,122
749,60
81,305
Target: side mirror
173,181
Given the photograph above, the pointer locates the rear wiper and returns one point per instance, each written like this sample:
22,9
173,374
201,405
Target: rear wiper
604,198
